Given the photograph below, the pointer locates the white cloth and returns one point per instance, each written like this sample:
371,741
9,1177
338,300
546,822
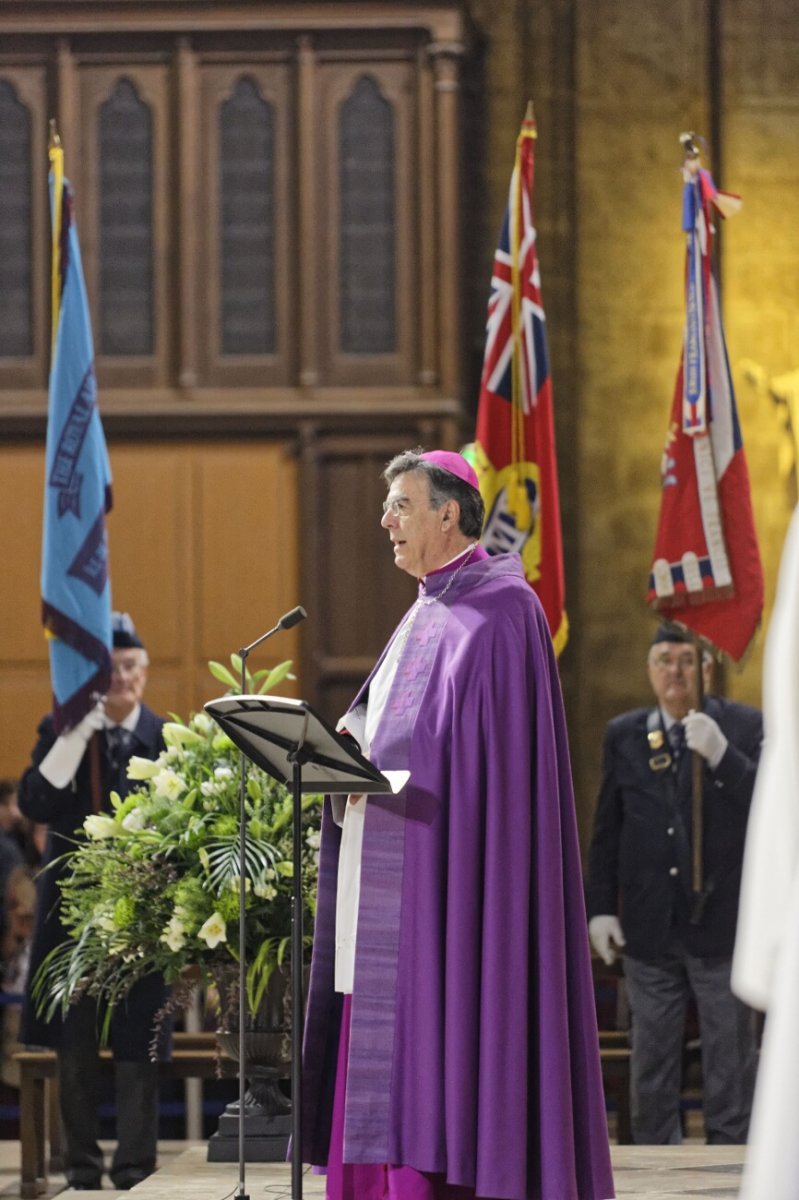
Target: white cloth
765,969
713,759
606,936
62,760
361,723
703,735
348,894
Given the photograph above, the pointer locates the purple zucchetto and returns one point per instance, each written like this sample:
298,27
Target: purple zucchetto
455,464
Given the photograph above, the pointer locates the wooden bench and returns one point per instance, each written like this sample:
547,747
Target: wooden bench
194,1056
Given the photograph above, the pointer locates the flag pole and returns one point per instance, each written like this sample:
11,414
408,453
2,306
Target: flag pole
697,777
56,155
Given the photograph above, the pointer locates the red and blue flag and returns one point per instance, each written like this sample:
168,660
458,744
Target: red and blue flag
706,572
514,452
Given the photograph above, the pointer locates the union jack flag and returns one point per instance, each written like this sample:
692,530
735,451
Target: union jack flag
497,375
515,440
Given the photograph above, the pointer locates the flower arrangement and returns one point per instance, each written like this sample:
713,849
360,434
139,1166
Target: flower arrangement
155,885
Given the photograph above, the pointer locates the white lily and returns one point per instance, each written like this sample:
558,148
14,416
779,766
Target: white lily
142,768
168,784
98,826
179,735
202,723
174,935
133,820
213,931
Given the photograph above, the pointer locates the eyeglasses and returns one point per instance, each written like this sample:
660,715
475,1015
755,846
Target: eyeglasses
683,662
126,666
398,507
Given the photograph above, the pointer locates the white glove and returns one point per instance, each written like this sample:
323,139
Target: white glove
64,756
606,937
703,735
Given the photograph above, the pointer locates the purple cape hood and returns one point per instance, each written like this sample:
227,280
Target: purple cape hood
474,1047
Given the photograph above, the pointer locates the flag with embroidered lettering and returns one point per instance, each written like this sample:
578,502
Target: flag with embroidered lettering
76,593
706,572
514,449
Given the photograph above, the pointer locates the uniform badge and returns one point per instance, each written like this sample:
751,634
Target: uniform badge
659,762
655,739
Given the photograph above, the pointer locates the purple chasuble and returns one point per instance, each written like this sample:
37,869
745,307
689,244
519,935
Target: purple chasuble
473,1043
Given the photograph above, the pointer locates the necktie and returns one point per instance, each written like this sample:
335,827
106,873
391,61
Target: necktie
118,741
676,737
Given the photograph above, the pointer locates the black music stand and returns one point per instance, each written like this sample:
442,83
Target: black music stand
298,748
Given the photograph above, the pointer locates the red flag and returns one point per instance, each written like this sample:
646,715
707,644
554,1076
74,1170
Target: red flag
515,441
706,572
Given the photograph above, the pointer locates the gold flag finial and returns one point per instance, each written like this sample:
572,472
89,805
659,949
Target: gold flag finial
55,153
691,152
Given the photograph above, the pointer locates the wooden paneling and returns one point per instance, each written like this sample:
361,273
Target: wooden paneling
203,549
28,84
151,545
24,672
246,566
217,86
21,484
96,86
307,63
336,82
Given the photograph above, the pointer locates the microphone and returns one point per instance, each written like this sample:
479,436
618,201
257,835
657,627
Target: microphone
286,622
292,618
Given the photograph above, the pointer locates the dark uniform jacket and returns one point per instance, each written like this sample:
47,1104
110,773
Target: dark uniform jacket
640,857
64,811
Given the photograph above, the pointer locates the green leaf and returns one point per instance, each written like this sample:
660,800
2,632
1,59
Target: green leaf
260,972
220,672
223,860
275,676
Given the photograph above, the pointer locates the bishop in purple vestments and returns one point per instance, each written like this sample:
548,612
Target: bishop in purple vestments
451,1043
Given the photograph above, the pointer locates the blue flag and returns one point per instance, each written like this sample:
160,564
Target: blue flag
76,592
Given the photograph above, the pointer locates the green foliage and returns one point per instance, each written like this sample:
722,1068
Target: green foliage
155,884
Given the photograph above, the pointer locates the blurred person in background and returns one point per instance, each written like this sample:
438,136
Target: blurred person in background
639,891
70,777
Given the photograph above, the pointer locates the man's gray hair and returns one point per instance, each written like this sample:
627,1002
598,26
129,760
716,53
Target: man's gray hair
443,486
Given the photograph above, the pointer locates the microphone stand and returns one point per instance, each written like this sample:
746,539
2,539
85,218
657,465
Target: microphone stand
286,621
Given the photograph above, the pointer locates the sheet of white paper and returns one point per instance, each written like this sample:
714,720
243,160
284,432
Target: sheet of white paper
397,779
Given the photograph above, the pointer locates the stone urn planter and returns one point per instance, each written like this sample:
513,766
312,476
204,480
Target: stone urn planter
267,1108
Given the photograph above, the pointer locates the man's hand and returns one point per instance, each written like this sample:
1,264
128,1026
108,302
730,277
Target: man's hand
64,757
703,735
94,720
606,937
